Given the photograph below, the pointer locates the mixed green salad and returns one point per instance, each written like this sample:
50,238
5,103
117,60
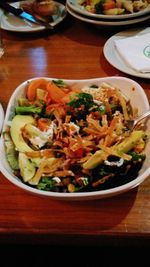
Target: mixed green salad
66,139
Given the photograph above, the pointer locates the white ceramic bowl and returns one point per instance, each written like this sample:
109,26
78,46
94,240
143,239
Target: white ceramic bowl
106,22
73,4
138,98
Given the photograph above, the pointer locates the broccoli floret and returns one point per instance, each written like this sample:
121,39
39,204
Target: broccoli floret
28,110
82,99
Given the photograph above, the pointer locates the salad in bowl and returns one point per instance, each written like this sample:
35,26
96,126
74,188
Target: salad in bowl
69,139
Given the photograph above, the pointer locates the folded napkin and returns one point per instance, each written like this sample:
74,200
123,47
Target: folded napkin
135,51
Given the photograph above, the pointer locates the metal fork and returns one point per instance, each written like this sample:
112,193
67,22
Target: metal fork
131,124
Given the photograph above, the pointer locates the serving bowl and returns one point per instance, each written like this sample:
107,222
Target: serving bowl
76,7
128,87
100,22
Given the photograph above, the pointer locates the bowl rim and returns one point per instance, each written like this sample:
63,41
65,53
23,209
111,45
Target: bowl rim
74,195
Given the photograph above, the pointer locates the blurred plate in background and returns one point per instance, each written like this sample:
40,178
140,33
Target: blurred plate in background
10,22
113,57
110,23
73,4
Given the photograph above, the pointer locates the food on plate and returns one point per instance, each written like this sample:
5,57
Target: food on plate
41,9
113,7
63,138
45,8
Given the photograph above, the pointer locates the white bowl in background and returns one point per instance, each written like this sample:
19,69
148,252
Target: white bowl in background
109,23
73,4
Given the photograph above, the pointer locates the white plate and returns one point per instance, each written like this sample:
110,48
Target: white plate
137,98
113,57
73,4
106,22
1,117
12,23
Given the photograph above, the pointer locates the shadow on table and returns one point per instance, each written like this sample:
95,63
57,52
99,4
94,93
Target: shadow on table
117,208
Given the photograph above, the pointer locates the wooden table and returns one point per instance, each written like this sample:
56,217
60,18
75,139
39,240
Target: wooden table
73,51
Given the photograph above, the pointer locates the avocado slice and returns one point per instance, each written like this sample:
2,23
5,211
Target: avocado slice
124,147
27,167
11,153
18,122
95,160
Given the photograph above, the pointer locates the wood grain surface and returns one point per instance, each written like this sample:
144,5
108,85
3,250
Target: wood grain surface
73,51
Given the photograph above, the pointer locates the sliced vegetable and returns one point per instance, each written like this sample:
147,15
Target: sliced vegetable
55,92
130,141
18,122
28,110
123,147
11,153
32,87
27,167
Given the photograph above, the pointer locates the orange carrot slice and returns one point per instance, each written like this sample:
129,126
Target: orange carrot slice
55,92
32,87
